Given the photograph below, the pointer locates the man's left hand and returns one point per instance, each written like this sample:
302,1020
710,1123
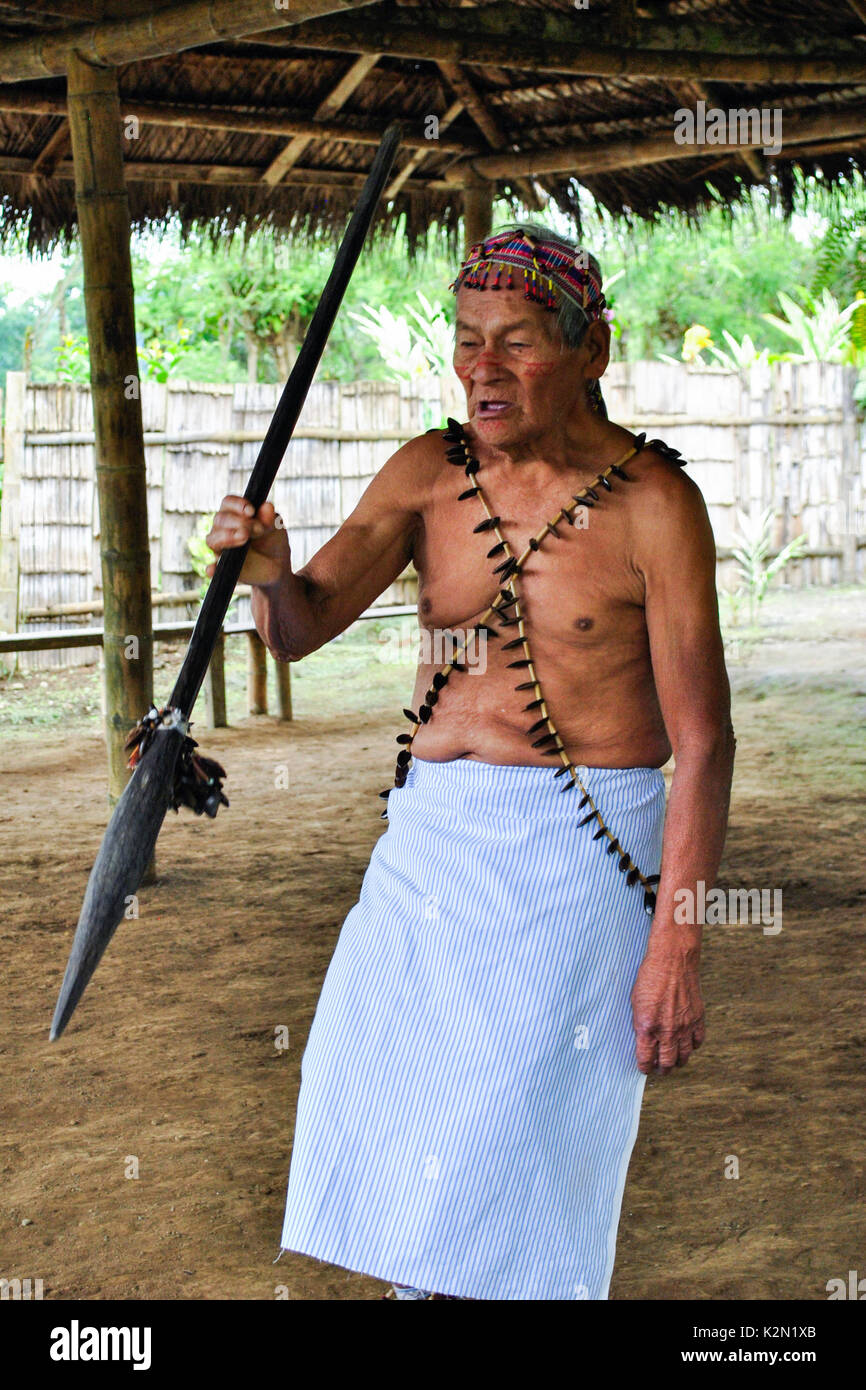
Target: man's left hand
667,1010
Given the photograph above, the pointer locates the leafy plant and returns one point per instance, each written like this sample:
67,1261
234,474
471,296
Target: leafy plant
409,348
414,347
841,261
821,330
201,554
159,357
733,602
751,555
73,358
740,355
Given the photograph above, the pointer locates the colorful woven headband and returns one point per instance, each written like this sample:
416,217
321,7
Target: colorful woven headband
547,265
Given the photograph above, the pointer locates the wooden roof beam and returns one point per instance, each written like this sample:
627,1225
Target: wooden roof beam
152,31
595,157
54,149
242,175
709,93
419,155
332,103
533,40
463,88
46,103
852,145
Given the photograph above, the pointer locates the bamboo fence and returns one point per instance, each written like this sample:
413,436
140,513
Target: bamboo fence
785,436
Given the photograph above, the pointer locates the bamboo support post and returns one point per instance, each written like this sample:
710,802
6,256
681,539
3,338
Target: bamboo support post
257,675
13,457
284,688
103,220
848,481
215,687
477,209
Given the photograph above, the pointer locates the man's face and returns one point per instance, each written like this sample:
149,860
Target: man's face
518,377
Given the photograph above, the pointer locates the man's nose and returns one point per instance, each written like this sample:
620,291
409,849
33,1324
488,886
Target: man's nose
488,367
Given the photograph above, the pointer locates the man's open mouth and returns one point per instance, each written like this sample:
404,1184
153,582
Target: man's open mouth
491,408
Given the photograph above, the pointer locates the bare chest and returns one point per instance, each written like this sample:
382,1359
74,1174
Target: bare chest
581,587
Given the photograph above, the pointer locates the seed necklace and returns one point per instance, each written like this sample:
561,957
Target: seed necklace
506,609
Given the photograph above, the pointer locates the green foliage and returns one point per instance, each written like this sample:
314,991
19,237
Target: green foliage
410,347
739,355
821,330
228,311
200,552
248,306
159,358
722,275
201,556
840,262
753,566
73,358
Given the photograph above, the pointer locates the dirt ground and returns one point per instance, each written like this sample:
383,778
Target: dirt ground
170,1062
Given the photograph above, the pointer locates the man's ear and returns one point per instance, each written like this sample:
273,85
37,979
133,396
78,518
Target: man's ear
596,344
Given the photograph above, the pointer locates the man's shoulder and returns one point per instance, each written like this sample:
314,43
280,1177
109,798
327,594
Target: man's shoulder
669,521
424,454
408,477
665,482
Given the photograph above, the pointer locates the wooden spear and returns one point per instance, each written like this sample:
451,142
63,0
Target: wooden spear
165,752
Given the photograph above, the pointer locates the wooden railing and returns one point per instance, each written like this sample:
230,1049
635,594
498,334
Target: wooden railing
215,685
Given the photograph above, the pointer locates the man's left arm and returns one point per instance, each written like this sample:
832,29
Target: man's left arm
676,554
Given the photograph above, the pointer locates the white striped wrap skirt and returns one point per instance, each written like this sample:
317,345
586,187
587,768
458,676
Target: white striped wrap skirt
469,1093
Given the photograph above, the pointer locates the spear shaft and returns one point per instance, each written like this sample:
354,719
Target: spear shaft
132,832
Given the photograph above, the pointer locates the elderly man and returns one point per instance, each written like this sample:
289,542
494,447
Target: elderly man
512,971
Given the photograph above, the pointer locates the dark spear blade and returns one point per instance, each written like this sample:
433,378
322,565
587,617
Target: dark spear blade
123,856
132,831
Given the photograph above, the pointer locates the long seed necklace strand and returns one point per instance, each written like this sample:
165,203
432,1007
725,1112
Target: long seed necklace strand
508,598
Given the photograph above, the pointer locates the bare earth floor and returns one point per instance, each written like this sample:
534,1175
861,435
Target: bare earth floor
170,1065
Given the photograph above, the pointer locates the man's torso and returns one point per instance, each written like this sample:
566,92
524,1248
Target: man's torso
582,598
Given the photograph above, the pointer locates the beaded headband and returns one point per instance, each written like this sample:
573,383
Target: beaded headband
547,266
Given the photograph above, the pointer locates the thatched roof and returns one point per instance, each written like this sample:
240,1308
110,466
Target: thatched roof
246,115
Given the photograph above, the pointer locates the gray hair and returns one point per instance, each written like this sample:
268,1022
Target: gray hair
571,320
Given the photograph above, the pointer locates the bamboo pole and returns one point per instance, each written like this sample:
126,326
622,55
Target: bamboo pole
167,632
477,209
152,31
13,458
257,675
189,598
103,222
597,156
231,174
215,687
463,88
841,129
284,688
204,116
510,36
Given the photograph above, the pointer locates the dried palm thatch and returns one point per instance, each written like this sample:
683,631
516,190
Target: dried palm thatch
241,116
